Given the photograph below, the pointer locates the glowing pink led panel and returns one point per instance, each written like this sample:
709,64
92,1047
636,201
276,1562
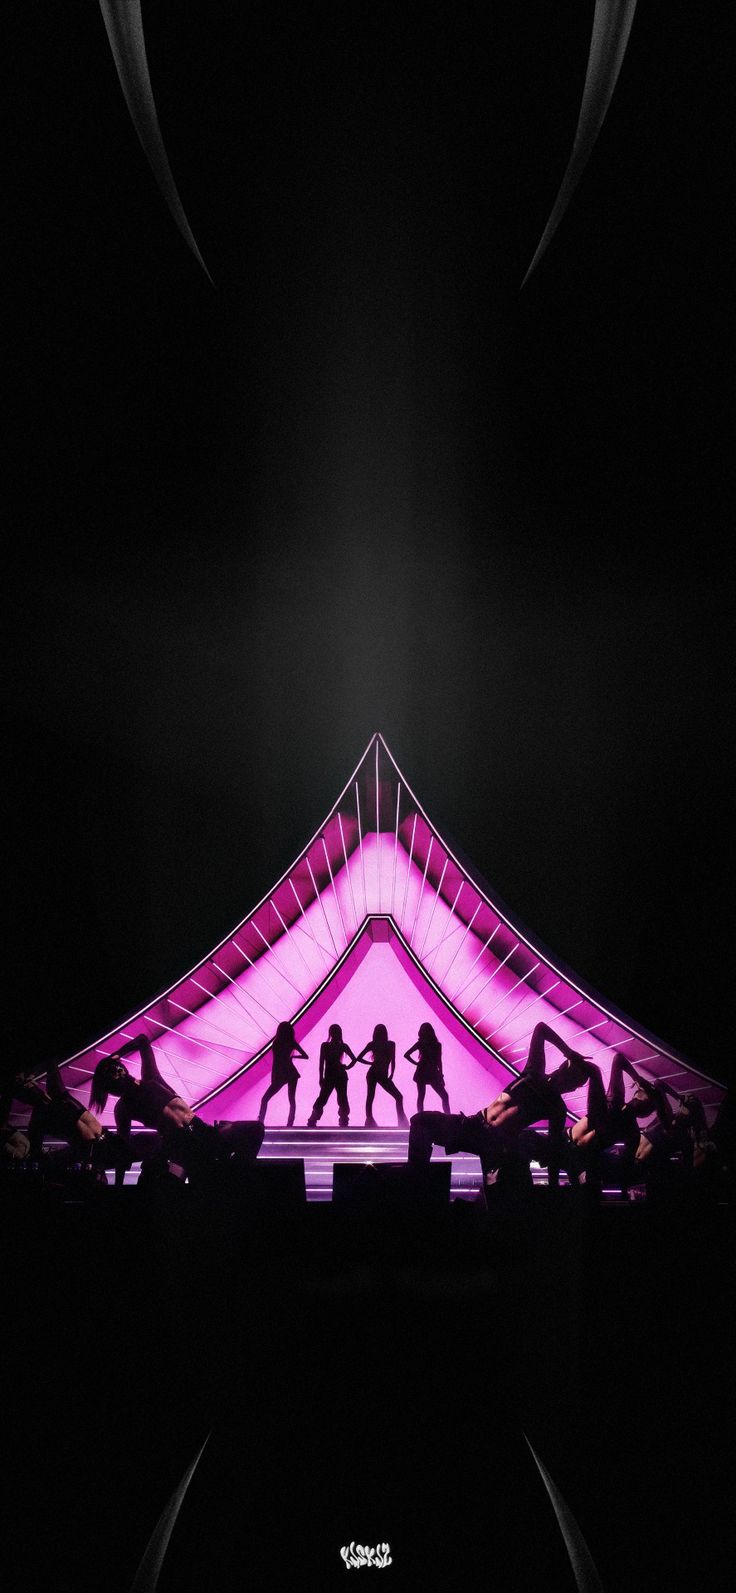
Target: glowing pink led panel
377,921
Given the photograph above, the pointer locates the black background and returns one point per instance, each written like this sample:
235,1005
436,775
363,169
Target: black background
365,483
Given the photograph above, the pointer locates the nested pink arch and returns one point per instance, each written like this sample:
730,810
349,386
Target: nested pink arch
378,855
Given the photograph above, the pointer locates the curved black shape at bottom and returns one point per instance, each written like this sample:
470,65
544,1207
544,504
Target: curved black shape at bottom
581,1560
149,1570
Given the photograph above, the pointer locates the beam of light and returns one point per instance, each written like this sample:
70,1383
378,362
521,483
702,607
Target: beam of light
476,959
408,870
516,1045
189,1039
495,1004
334,891
362,859
124,24
459,948
259,968
149,1570
579,1033
276,960
292,938
347,871
434,905
310,930
491,977
213,996
239,997
581,1560
611,28
318,897
520,1044
421,892
446,931
396,843
198,1017
527,1008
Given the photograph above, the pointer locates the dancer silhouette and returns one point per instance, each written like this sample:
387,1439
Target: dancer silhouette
54,1111
494,1133
283,1072
333,1076
381,1071
429,1066
611,1120
185,1138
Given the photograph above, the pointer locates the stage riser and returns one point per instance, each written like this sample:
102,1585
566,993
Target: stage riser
322,1147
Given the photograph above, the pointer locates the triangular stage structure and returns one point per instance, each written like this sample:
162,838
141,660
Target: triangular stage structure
377,921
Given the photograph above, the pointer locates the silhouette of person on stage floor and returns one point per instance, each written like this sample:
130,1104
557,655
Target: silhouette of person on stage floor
494,1133
382,1052
55,1112
283,1072
333,1075
185,1139
428,1073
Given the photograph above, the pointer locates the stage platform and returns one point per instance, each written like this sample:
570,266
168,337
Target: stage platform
320,1148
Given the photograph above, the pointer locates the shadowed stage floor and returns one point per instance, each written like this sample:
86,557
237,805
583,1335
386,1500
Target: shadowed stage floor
366,1375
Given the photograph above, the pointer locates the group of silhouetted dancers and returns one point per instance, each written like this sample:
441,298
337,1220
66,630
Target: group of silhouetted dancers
380,1057
646,1139
657,1137
185,1145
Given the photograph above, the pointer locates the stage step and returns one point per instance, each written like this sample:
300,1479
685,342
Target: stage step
322,1147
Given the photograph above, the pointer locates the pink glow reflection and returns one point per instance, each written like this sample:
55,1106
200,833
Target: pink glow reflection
384,988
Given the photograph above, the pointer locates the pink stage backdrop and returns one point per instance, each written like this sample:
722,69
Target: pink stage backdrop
378,921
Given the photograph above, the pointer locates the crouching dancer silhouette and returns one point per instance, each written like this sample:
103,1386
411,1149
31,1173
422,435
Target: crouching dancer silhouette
495,1133
382,1052
14,1141
54,1111
283,1072
333,1075
611,1120
185,1138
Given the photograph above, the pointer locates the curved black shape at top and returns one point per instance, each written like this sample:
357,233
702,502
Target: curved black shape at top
611,29
124,24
